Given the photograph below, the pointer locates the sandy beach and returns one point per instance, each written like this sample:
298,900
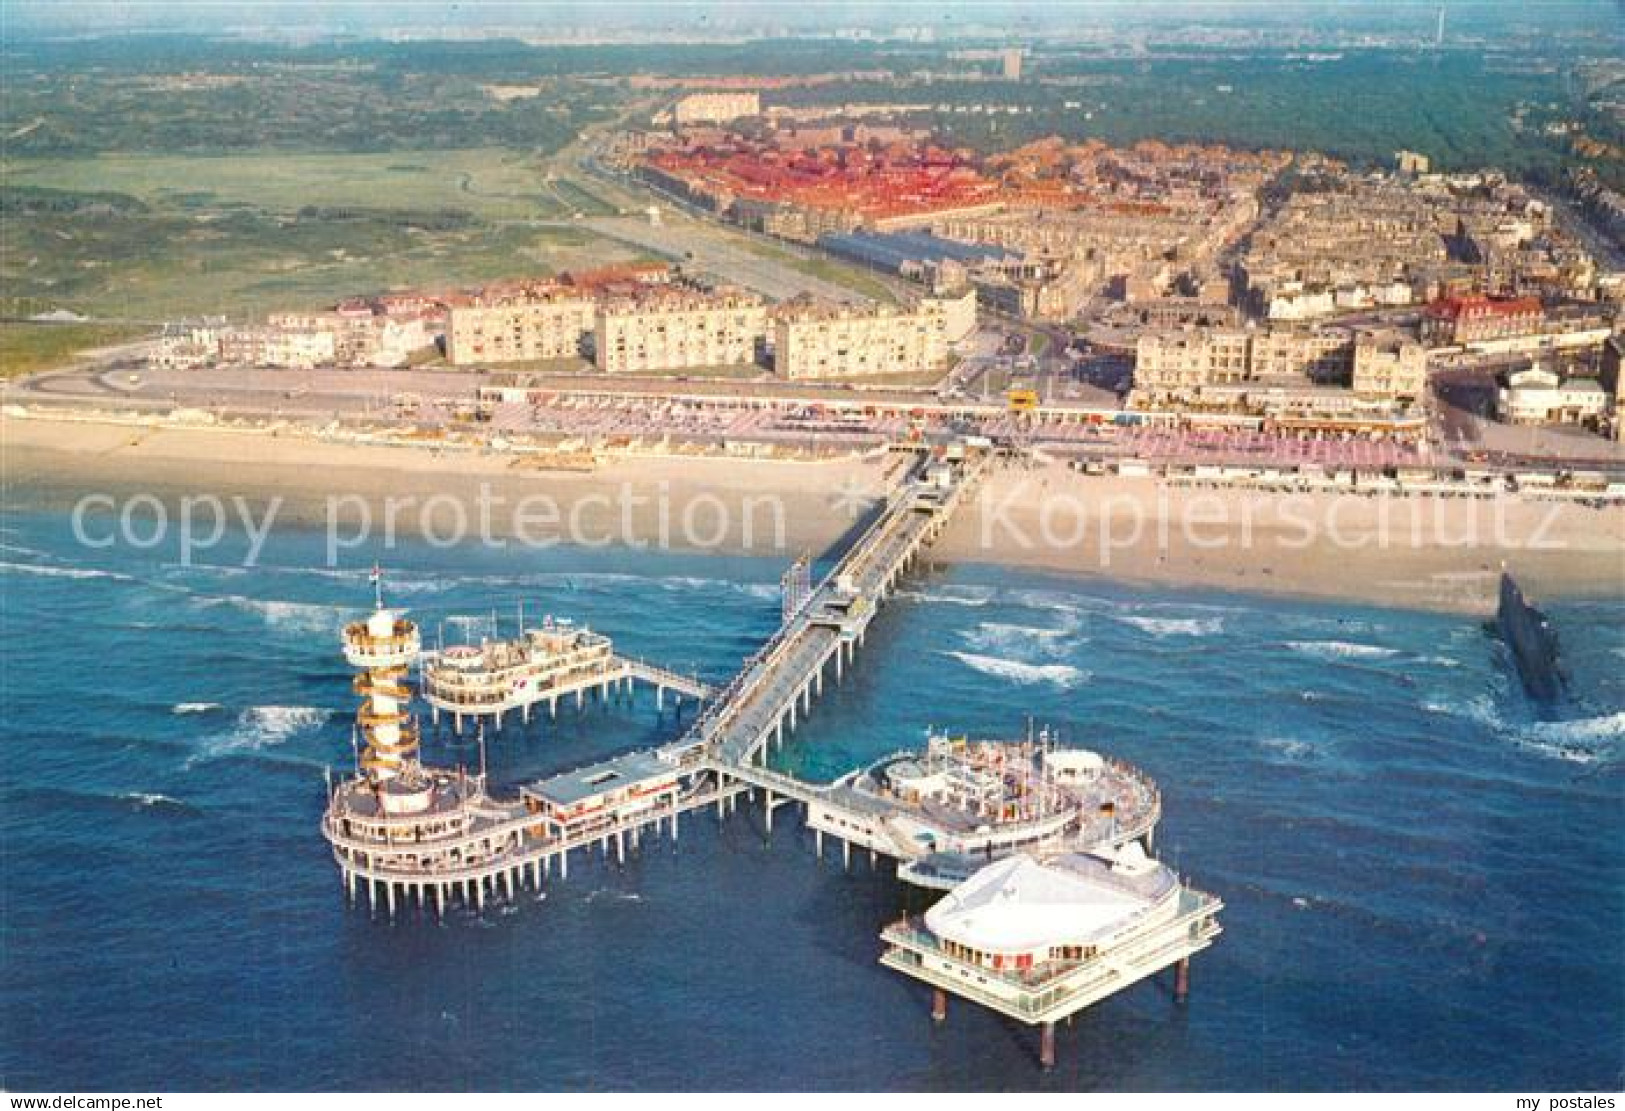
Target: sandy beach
1411,551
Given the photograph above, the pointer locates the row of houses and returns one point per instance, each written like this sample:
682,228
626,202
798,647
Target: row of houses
677,326
347,336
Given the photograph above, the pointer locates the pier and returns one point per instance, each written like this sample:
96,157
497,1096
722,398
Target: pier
1021,825
418,830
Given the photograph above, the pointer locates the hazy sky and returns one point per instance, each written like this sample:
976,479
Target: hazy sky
362,16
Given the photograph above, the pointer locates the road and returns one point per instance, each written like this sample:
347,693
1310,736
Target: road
698,247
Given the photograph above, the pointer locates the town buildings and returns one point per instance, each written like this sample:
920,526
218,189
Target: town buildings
1070,221
1343,242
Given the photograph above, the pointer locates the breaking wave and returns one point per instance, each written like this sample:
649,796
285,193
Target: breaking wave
194,707
950,596
675,583
44,571
394,583
1581,741
150,801
1341,650
998,636
1062,675
1290,748
1173,626
286,617
260,727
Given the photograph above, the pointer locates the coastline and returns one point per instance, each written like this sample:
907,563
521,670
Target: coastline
1410,551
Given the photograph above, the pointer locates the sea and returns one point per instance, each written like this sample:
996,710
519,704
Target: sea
1423,875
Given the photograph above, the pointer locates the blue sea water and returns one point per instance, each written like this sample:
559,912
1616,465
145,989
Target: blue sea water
1425,882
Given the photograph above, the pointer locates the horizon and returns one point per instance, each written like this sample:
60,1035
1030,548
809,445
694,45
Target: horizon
476,19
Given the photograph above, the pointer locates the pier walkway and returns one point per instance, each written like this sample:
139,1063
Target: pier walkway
663,679
777,685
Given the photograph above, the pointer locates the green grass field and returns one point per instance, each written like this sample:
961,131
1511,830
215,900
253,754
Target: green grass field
25,348
161,237
490,184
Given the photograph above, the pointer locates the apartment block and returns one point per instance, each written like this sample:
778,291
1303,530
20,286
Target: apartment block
716,107
670,328
1323,355
1178,366
820,340
1389,365
361,338
269,346
1168,364
549,327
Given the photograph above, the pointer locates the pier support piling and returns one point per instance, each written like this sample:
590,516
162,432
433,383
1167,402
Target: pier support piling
1046,1046
1182,979
939,1006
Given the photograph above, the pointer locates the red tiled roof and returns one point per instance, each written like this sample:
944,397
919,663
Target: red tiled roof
1469,308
